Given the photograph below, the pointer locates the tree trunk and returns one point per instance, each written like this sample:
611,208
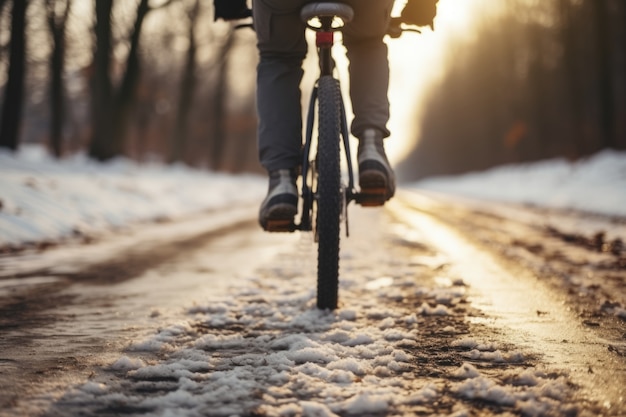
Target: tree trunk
101,96
604,73
538,89
573,88
112,110
178,141
57,63
218,136
622,47
125,97
14,92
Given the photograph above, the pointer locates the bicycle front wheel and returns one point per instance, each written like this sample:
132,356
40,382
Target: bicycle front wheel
329,195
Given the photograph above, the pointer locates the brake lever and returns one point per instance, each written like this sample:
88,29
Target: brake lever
397,27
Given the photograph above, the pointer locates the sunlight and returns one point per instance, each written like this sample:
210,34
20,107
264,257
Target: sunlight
455,14
416,62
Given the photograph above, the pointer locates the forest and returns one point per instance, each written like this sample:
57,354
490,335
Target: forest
542,79
161,80
145,79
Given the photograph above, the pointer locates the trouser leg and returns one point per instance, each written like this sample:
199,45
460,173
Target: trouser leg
280,118
282,48
369,65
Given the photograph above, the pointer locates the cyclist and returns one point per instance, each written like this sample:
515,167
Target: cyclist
282,47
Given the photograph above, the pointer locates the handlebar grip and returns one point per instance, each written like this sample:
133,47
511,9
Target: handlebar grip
394,30
397,26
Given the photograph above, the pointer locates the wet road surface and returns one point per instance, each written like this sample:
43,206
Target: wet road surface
545,302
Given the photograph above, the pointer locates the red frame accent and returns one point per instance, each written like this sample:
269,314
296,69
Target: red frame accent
324,38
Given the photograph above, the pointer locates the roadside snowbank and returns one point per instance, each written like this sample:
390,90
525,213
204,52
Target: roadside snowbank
42,199
596,184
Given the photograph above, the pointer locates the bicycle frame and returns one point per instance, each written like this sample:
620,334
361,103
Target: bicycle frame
324,39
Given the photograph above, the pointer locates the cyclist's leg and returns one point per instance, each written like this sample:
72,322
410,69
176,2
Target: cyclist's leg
282,48
369,83
369,65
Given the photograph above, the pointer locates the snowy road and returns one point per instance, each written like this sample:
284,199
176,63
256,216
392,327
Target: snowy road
447,308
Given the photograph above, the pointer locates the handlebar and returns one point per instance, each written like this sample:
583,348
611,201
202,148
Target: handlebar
397,27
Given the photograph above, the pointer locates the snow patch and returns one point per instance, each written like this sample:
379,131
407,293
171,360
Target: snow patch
127,364
44,199
593,184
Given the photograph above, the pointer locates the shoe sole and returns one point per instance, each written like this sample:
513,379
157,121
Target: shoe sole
373,189
280,218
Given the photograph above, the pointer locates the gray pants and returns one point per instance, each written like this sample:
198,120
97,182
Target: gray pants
282,47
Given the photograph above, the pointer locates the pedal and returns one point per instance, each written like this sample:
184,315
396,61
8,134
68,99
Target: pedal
372,197
280,226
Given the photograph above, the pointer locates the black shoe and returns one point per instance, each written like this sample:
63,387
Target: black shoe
281,204
376,178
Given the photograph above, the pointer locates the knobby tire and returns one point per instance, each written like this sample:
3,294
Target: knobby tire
329,193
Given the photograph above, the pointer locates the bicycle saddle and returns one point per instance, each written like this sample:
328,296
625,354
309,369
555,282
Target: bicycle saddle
327,9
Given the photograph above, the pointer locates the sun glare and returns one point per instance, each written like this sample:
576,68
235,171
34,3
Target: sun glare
455,14
416,62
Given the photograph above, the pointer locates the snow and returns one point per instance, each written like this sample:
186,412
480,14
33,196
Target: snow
126,364
265,347
596,184
43,199
46,200
220,361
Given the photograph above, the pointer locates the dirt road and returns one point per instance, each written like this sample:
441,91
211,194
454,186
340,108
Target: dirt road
447,308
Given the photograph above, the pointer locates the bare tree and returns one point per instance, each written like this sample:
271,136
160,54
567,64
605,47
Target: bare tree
112,108
124,99
219,104
622,48
57,14
14,93
565,99
178,139
605,76
572,75
101,94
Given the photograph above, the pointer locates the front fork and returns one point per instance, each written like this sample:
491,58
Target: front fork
324,42
309,171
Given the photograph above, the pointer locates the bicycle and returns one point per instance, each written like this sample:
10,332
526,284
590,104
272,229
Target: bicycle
324,196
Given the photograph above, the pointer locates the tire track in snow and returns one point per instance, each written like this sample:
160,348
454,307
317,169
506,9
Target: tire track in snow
407,339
